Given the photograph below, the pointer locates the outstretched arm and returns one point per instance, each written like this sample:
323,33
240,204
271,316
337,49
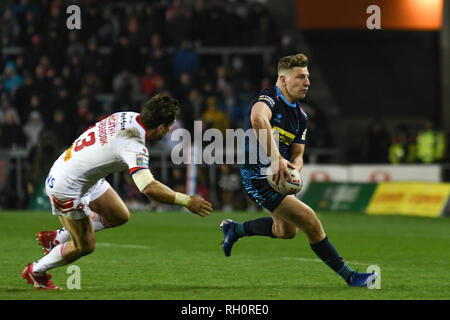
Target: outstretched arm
159,192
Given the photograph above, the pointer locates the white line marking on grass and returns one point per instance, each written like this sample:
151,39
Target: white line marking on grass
318,260
129,246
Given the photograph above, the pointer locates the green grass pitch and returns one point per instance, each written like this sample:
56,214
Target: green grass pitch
177,256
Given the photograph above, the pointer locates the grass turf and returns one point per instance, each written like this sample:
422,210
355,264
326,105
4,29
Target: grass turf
177,256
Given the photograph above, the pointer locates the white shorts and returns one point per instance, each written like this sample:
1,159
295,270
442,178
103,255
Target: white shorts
73,207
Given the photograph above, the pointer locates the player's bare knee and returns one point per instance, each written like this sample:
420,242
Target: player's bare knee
87,247
288,234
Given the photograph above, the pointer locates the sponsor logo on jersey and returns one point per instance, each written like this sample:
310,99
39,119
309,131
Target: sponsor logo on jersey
304,134
141,160
282,135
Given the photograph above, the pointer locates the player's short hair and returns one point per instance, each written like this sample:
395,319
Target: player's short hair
159,110
289,62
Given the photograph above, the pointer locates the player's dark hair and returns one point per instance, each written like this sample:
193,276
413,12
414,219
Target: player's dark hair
159,110
289,62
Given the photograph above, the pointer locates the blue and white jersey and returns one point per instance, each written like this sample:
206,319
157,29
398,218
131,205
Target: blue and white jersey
289,125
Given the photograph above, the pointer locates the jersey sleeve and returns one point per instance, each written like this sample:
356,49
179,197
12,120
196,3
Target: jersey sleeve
268,100
301,136
135,155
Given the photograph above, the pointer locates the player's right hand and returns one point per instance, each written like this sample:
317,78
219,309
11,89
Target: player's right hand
281,169
200,206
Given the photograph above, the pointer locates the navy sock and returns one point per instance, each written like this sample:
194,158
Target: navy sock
257,227
328,253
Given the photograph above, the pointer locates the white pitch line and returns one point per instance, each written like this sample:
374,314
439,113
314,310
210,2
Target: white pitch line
130,246
318,260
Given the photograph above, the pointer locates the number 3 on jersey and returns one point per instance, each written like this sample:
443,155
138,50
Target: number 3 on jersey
79,145
86,142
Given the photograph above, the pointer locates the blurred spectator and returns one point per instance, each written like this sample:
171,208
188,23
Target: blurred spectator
178,180
41,159
178,17
397,149
124,55
213,117
126,86
431,144
74,45
32,129
85,117
234,108
60,128
186,59
93,62
222,81
214,36
11,132
11,79
183,86
22,96
202,185
151,21
229,183
10,28
199,22
6,108
262,26
149,80
376,143
29,23
157,56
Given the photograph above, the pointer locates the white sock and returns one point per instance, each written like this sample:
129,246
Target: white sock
98,224
62,235
52,260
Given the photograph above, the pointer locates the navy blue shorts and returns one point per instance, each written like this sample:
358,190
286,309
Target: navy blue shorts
260,191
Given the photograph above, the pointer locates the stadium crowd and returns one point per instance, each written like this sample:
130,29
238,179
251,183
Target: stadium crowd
53,87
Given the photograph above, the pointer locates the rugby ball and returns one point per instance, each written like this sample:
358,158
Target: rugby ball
290,187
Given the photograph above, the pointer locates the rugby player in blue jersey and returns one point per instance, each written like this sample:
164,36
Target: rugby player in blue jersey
276,110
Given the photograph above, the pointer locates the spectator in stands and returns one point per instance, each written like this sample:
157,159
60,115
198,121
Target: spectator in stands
149,80
7,108
11,79
157,56
85,117
60,128
28,18
10,131
183,86
261,23
22,96
376,143
233,108
151,21
124,55
186,59
32,129
178,180
200,22
233,26
126,86
213,117
74,45
40,159
178,18
431,144
229,184
397,149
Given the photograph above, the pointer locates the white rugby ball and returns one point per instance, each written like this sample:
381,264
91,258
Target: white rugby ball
290,187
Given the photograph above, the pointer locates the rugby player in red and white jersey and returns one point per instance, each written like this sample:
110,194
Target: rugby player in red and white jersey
76,183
